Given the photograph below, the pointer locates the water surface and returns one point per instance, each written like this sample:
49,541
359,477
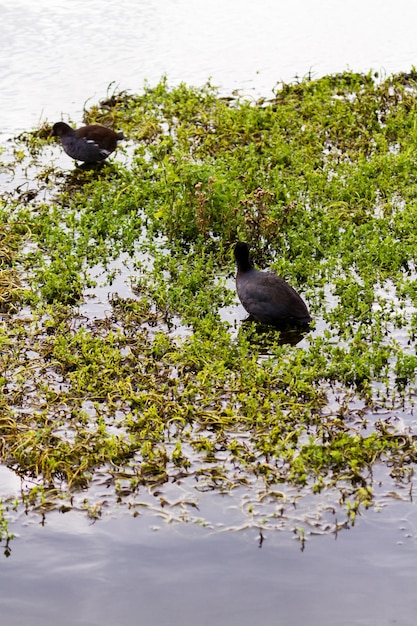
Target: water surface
57,54
120,571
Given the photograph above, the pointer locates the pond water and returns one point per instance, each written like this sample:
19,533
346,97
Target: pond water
56,56
122,572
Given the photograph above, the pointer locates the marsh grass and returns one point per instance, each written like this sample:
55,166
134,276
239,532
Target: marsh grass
163,399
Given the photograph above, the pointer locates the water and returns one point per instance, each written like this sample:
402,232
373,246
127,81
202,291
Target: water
56,55
121,572
59,54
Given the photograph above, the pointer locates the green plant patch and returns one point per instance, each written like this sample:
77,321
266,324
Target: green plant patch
125,361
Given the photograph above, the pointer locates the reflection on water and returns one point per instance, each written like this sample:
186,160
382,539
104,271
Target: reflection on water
120,572
56,55
266,337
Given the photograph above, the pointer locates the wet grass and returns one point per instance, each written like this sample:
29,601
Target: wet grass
167,396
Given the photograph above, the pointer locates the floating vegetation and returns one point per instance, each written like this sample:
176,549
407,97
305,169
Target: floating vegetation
155,397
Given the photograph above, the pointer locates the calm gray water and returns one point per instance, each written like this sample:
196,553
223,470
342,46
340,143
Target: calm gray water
121,572
55,56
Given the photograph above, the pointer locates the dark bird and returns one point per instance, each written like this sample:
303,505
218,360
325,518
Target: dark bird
267,298
90,144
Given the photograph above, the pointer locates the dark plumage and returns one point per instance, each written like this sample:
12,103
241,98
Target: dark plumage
265,296
90,144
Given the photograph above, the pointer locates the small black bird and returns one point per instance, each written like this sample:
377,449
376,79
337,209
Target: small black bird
265,296
90,144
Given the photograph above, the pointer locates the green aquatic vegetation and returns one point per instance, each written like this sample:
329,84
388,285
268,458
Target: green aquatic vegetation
194,296
5,534
163,395
12,239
